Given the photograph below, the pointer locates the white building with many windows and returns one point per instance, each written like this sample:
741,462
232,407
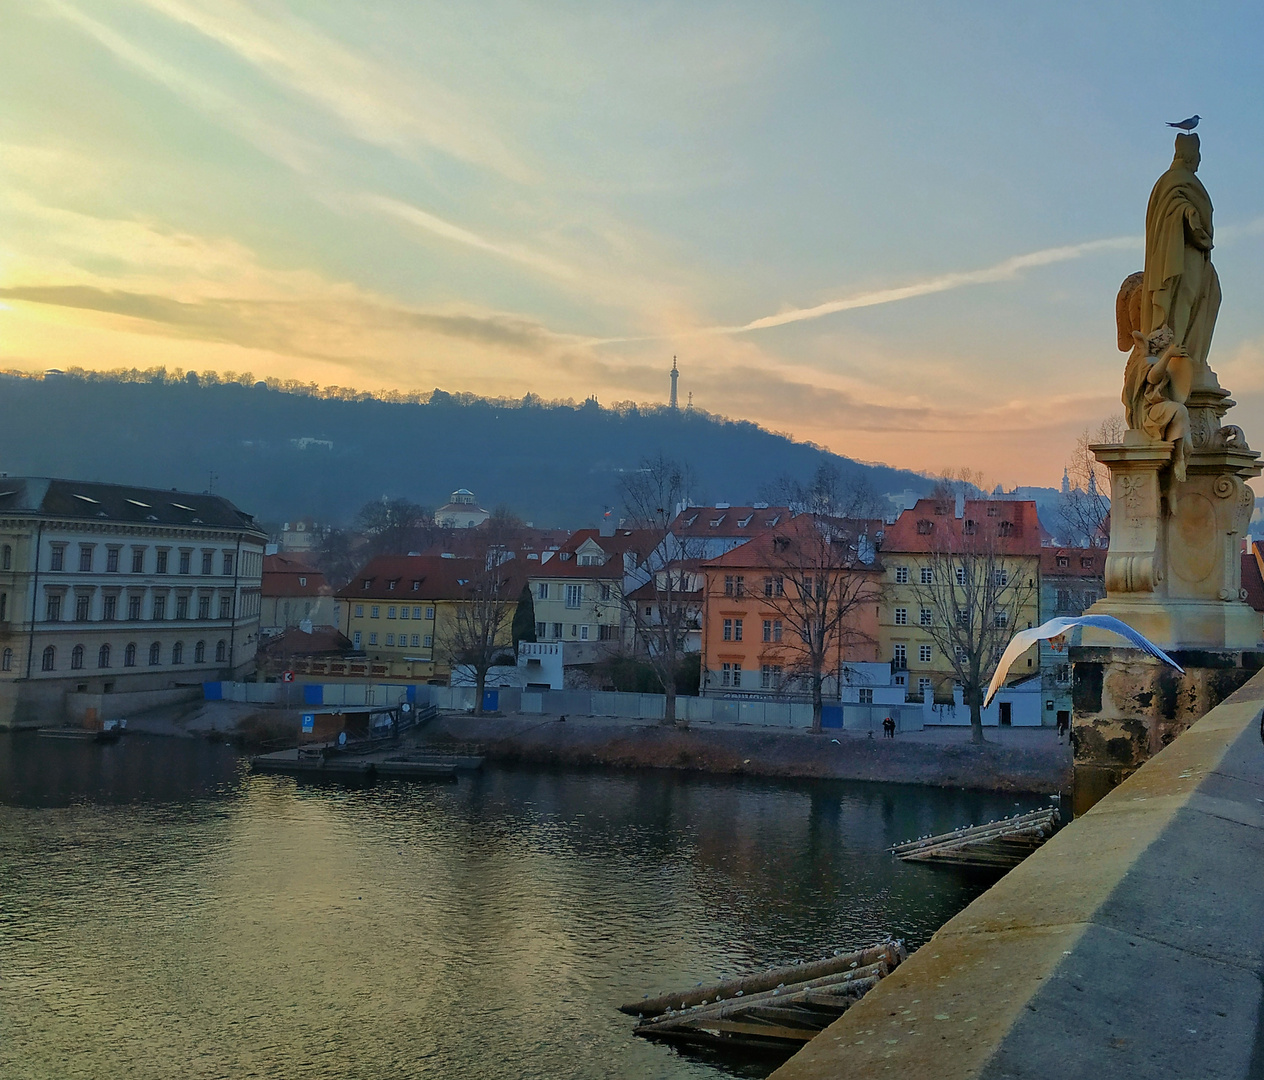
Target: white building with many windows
112,589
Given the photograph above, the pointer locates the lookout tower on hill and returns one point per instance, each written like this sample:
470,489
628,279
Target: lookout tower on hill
674,376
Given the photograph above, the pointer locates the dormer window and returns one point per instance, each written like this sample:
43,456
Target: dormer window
1006,528
745,521
1063,560
690,521
925,527
302,582
416,586
971,527
715,522
994,511
367,583
1086,562
390,586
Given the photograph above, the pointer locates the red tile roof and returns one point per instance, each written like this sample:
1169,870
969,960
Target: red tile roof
285,575
932,524
1253,575
322,641
759,552
727,520
425,577
1075,558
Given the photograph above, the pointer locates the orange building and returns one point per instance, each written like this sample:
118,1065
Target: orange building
754,619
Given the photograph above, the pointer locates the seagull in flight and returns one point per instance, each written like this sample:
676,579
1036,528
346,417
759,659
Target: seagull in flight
1055,630
1188,124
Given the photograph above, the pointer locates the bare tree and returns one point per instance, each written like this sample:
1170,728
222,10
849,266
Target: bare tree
480,635
337,557
395,527
1084,508
666,579
976,579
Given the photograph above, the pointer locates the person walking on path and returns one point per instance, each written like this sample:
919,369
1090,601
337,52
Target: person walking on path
1064,722
888,728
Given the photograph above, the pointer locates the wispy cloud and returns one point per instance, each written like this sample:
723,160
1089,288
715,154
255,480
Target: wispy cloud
1005,270
439,227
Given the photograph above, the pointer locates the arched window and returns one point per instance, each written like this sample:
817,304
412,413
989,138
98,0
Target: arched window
103,656
177,653
155,653
6,660
50,659
221,651
76,657
4,607
129,655
6,558
199,652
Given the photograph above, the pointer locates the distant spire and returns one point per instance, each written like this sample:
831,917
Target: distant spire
1066,482
674,376
689,407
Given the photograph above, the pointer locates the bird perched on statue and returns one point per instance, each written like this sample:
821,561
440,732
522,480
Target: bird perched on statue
1188,124
1055,631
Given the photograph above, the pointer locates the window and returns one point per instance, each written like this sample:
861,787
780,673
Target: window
1006,528
924,653
776,629
4,607
373,639
728,584
182,607
557,629
1063,560
1064,599
417,586
925,527
186,559
204,607
359,610
155,654
228,567
49,662
770,676
728,629
429,613
963,617
85,558
161,567
1000,576
925,617
416,640
226,606
133,607
726,674
76,658
962,655
865,695
58,557
221,651
605,632
541,630
177,653
1001,620
429,640
737,629
82,605
374,611
355,639
6,660
993,510
901,616
606,591
160,607
208,558
103,656
739,586
390,639
109,608
737,674
901,575
970,527
53,612
111,560
1086,562
583,633
899,655
961,575
574,594
390,585
390,612
403,612
129,655
924,690
574,629
138,560
542,591
768,586
768,629
928,575
199,653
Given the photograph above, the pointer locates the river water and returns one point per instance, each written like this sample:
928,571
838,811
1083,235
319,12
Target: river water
165,913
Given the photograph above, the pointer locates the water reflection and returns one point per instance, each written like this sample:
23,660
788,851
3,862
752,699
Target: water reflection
166,913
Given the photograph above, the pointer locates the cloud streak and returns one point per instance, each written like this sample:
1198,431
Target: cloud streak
1003,271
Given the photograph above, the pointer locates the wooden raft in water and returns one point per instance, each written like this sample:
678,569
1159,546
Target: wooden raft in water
1001,844
779,1009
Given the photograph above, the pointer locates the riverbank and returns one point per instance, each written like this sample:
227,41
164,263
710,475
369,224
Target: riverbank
1013,760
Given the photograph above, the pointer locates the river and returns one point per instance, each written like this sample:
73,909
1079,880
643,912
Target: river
163,912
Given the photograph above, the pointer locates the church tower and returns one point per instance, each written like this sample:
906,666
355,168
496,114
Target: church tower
674,376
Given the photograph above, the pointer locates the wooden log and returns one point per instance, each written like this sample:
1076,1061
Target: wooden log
1044,817
768,980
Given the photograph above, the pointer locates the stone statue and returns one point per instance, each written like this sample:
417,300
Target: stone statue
1180,288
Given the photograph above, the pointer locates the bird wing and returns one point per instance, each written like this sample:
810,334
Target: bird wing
1025,639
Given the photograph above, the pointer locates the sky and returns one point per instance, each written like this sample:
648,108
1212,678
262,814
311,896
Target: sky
894,230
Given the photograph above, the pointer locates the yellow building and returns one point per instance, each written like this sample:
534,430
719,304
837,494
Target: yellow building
928,554
402,611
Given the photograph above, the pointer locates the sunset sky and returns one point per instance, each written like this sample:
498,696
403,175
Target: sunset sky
896,230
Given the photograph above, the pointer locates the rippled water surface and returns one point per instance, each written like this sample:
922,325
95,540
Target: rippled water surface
164,913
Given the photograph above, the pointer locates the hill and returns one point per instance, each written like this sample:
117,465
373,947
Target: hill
284,451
